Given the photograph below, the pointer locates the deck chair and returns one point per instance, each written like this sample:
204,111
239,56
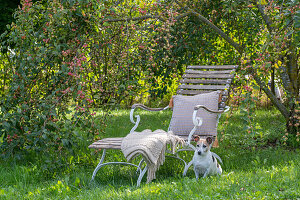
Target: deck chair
197,107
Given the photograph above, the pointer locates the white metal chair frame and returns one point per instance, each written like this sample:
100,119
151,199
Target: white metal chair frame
197,121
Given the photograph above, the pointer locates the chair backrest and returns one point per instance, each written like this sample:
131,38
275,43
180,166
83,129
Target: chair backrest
203,79
213,80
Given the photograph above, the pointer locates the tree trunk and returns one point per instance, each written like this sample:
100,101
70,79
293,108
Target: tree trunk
270,95
293,121
273,81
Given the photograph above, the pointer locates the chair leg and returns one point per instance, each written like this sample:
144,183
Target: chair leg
177,157
99,164
140,165
142,173
187,167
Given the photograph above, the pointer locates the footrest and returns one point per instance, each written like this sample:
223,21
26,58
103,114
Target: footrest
107,143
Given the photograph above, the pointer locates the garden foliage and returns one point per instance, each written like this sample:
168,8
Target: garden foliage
65,58
45,100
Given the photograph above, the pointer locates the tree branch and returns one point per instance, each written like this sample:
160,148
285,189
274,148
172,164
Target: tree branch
134,18
144,18
287,79
214,27
182,15
265,17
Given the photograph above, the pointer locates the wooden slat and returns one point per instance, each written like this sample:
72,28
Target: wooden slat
227,76
203,87
101,144
195,92
111,139
107,143
192,71
206,81
213,67
105,146
192,92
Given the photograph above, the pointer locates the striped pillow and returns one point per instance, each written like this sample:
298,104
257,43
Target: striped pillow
182,117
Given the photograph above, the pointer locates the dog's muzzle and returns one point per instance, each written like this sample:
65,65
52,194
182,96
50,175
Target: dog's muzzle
199,153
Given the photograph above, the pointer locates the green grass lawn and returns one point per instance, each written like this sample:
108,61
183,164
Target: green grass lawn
254,167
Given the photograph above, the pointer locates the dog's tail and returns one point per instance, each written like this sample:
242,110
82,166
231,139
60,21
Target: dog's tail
218,157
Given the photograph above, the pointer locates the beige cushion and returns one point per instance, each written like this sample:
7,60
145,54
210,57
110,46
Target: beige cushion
182,117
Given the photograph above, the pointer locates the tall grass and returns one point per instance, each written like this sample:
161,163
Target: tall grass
255,167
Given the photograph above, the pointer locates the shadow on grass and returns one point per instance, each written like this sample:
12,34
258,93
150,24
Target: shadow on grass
250,166
239,150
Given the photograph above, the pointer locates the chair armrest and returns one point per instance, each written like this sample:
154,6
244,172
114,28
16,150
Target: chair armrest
134,106
207,109
147,108
197,121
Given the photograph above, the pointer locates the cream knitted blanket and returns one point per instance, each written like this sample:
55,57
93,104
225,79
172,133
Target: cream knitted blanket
152,146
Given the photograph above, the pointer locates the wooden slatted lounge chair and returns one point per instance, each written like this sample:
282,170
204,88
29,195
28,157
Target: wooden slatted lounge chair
199,85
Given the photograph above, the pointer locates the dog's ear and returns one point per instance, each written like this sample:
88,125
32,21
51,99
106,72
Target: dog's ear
209,140
196,138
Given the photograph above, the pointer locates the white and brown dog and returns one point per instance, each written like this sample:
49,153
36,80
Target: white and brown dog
204,161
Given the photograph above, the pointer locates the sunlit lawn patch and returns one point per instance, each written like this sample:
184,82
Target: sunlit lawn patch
255,167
